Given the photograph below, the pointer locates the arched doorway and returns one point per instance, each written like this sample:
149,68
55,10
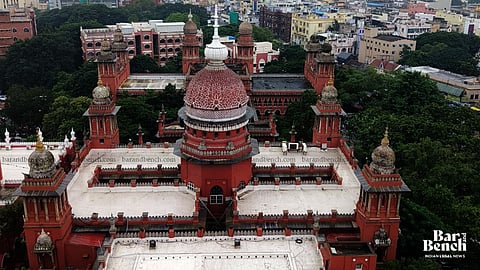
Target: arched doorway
216,195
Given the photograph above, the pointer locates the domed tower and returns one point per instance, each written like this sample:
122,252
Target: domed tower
326,129
190,47
319,64
47,212
245,46
113,63
102,115
378,206
216,148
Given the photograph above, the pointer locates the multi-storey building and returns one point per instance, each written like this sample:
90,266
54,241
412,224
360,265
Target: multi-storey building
304,26
155,38
380,46
276,20
16,24
340,42
263,53
411,28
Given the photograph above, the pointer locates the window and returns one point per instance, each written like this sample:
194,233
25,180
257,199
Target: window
146,37
89,44
170,49
191,186
131,52
130,42
147,46
358,267
98,44
216,195
26,30
102,141
476,96
14,30
162,40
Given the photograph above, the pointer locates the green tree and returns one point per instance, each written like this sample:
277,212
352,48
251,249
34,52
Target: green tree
143,64
66,113
301,116
26,107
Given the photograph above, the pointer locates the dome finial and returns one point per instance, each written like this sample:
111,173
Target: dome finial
330,80
99,82
385,140
190,16
39,145
216,52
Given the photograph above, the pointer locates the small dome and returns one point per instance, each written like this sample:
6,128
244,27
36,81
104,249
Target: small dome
106,52
190,28
245,28
101,94
41,162
329,93
383,157
216,95
44,242
118,41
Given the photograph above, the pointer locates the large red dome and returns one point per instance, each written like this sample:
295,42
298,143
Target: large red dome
216,93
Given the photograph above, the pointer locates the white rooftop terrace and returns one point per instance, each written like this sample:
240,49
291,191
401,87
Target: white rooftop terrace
141,82
14,162
268,199
271,199
185,253
133,201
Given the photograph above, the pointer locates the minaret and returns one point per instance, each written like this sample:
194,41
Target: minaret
113,63
326,129
102,116
245,46
216,148
377,210
319,64
47,212
190,47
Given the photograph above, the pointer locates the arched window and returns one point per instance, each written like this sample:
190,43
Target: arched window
163,50
14,30
98,44
216,195
170,40
130,42
162,40
26,30
146,37
131,52
89,44
147,46
170,49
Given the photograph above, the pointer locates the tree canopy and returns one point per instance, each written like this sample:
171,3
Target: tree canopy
450,51
436,150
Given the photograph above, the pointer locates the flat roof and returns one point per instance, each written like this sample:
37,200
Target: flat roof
155,81
14,162
133,201
271,199
192,253
389,37
279,82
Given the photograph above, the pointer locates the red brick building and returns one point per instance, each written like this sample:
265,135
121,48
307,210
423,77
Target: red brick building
16,24
215,195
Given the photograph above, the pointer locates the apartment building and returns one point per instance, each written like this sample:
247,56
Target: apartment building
380,46
278,21
155,38
16,24
304,26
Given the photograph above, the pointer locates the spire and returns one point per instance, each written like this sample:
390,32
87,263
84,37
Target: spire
385,140
39,145
216,52
190,16
330,80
